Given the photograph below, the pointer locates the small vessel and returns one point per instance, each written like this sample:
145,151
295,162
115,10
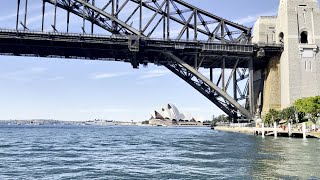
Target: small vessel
161,125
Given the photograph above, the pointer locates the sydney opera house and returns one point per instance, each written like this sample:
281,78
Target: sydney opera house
170,115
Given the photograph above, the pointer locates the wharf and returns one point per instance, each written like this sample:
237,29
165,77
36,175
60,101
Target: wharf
284,133
268,131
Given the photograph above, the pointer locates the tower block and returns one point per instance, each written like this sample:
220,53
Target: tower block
296,72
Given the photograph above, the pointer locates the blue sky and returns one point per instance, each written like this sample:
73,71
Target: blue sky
33,88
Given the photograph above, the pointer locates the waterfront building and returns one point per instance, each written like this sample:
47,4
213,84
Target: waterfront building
170,115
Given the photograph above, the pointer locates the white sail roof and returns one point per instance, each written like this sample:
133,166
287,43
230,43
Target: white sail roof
170,111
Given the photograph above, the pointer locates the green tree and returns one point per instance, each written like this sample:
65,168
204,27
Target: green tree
272,116
301,117
310,107
145,122
221,118
268,119
317,102
288,114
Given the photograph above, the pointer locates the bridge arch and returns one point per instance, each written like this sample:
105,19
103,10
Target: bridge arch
227,45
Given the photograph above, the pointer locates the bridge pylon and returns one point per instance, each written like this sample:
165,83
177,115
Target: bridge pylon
296,72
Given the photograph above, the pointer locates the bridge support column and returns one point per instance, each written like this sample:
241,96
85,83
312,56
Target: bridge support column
304,130
262,130
275,129
251,90
289,130
134,61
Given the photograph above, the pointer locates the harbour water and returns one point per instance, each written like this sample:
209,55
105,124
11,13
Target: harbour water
115,152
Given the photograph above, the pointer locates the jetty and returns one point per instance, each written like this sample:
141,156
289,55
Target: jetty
275,131
285,131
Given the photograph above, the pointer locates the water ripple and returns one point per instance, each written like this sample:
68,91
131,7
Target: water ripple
70,152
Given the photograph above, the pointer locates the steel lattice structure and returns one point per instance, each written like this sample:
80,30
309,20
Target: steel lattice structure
116,16
190,39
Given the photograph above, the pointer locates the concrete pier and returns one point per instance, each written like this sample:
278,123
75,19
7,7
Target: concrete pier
289,130
304,130
275,129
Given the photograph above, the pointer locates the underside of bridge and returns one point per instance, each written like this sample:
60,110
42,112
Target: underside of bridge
201,40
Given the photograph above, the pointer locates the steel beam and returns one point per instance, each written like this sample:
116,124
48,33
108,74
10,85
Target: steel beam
200,18
223,68
235,85
103,13
140,15
210,85
18,12
154,15
186,76
25,15
43,14
168,19
195,12
92,15
55,16
84,19
244,29
251,88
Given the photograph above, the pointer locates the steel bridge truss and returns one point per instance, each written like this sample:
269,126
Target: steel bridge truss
168,19
217,92
179,26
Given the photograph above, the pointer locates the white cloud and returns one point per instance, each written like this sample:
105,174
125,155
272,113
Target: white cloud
8,17
56,78
13,14
253,18
105,110
37,18
107,75
155,73
37,70
24,75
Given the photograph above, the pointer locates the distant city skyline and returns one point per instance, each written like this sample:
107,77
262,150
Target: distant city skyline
41,88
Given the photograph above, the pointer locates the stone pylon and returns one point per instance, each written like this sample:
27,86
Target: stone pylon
296,73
